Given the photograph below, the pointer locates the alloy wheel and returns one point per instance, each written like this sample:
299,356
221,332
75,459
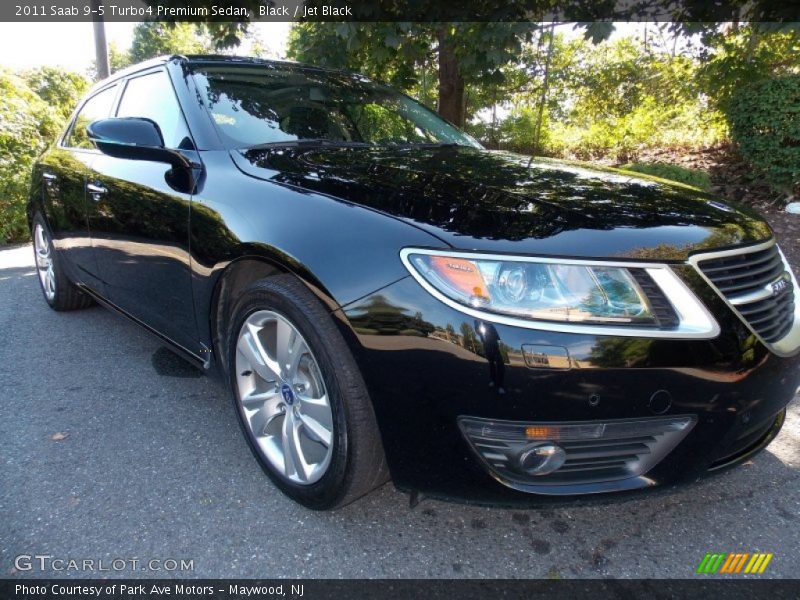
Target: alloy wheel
283,397
44,261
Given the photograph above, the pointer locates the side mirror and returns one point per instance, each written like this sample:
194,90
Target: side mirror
133,139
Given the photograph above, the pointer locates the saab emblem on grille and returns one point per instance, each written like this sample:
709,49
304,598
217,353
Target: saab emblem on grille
779,287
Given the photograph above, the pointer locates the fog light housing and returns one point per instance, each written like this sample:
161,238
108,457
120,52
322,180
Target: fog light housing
571,457
541,459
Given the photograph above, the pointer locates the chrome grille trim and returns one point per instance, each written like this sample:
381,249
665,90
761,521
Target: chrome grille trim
745,279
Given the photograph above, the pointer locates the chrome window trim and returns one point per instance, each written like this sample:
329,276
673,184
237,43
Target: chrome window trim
789,345
695,322
60,142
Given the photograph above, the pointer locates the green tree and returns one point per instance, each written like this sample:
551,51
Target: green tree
738,55
151,39
462,54
59,88
117,59
610,99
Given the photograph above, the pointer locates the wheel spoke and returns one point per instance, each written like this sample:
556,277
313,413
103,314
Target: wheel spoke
287,345
295,463
316,430
42,246
319,408
299,349
265,357
263,417
257,399
254,354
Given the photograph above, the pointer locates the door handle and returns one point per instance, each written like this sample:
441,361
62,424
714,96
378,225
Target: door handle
96,191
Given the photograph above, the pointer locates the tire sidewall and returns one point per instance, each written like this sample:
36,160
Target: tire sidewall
325,492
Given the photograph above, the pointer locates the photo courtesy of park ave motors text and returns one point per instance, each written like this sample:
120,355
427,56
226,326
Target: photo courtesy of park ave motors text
513,283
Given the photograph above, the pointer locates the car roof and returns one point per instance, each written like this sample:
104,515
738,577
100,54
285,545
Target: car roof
210,59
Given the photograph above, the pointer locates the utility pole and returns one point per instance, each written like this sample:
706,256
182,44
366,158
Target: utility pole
100,46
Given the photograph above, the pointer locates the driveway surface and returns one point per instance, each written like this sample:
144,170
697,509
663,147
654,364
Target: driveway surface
152,466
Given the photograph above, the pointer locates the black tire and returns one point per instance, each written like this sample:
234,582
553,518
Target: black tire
358,464
67,295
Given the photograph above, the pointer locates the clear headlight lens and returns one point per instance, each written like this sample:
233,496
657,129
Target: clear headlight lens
538,290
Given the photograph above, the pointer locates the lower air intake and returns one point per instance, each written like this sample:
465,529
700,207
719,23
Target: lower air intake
588,452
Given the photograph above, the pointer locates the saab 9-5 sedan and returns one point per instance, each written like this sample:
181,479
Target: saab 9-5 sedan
387,298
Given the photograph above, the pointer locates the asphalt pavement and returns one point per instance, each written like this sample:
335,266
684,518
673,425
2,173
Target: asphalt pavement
113,448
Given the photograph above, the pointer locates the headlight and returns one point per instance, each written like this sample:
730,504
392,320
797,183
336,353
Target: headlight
565,294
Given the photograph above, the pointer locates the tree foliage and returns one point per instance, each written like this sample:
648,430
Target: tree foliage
59,88
27,124
765,123
733,56
402,54
151,39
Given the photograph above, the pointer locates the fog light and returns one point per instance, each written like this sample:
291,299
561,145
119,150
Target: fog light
541,459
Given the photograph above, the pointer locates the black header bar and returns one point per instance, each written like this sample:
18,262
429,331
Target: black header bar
320,589
400,10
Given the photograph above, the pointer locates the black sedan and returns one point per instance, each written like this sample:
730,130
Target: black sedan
387,298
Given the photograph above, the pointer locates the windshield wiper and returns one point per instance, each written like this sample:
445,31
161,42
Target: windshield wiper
433,145
311,143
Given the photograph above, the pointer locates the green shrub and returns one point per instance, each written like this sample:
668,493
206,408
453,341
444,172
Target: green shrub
693,177
27,125
765,123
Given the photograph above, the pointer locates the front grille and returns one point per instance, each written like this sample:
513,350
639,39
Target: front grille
758,285
594,451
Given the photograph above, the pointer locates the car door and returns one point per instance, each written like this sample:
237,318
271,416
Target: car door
64,170
140,227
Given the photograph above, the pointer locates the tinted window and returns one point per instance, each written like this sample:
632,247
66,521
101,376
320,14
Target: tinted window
152,97
259,106
96,107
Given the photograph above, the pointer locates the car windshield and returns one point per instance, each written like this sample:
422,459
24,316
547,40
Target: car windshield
283,105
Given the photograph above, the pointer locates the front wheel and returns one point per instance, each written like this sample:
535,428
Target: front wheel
300,398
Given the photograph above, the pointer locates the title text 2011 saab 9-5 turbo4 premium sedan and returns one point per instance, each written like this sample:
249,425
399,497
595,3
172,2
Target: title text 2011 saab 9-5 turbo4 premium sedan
386,297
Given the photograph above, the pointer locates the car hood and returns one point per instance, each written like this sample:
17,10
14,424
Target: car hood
482,200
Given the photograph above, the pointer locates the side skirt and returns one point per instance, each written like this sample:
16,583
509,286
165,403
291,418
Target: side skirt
203,362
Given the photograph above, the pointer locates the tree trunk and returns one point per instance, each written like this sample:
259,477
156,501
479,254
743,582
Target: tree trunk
451,83
545,89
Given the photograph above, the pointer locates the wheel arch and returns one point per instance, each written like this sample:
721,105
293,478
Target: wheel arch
236,275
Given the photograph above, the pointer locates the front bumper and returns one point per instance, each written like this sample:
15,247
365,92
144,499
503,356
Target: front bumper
426,365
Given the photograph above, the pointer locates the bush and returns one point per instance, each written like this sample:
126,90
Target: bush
693,177
650,124
59,88
765,123
27,125
517,132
